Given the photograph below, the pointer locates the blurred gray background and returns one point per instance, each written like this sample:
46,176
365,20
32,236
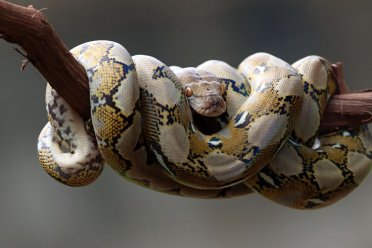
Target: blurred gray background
36,211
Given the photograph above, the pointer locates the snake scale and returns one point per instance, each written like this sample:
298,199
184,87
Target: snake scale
143,127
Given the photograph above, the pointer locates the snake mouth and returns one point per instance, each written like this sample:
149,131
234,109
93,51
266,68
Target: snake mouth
211,106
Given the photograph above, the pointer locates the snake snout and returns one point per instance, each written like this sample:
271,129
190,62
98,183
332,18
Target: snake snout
213,105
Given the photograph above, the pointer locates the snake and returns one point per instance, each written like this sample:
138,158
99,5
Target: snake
144,125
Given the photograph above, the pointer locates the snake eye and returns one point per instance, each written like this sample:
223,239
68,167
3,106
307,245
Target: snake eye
222,88
188,92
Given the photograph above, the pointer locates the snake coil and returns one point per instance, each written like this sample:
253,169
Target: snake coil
142,126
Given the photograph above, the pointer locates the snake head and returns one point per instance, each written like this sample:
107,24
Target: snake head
203,90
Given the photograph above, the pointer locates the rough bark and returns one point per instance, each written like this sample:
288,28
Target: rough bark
29,28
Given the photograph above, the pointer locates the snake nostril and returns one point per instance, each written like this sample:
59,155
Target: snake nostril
215,102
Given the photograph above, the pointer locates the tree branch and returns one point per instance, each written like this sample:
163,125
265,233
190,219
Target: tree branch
29,28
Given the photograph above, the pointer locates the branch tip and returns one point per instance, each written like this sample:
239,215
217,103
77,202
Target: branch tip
38,11
25,62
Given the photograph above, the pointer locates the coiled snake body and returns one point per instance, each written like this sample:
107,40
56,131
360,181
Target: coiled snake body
142,126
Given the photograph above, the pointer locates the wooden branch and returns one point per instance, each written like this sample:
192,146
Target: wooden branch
29,28
347,111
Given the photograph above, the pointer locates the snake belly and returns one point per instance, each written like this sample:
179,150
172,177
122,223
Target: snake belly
141,125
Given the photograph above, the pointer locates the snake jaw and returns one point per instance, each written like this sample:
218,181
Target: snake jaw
210,105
